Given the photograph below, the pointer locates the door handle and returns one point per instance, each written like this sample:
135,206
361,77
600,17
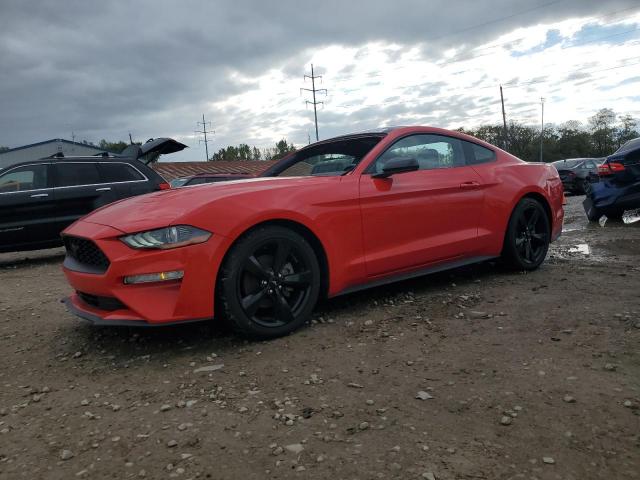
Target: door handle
104,189
40,195
469,185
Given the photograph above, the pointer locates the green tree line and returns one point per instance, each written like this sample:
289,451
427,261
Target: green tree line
230,153
603,133
601,136
113,147
245,152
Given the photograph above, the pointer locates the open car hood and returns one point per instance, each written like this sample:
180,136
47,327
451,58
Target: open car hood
162,146
153,148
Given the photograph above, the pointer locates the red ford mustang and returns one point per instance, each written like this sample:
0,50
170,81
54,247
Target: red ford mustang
336,216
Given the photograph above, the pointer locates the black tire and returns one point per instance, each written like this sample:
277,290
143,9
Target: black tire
528,235
593,214
270,283
584,186
615,215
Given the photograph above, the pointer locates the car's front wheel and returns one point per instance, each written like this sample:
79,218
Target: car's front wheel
528,236
270,282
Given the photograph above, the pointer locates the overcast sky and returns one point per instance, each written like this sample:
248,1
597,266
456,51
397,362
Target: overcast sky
152,68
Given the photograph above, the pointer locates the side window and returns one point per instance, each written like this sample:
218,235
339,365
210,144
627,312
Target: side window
430,151
119,172
480,155
75,174
29,177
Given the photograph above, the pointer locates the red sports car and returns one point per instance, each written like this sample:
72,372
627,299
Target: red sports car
336,216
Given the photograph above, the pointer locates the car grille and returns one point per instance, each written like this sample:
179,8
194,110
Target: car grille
86,253
103,303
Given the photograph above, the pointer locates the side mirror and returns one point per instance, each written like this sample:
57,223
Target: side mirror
398,165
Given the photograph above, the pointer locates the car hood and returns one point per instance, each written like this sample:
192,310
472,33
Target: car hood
160,209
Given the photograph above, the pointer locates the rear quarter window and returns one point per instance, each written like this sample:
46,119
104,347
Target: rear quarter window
119,172
480,155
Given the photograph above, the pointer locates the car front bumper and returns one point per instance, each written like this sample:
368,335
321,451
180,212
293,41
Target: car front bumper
103,298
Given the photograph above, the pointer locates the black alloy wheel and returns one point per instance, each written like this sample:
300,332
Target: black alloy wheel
528,235
270,282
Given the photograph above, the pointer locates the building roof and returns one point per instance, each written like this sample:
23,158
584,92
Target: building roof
171,170
54,140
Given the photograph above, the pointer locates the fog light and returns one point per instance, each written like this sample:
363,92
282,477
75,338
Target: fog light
154,277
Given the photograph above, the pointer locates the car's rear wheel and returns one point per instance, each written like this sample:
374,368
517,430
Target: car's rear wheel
585,186
270,282
528,236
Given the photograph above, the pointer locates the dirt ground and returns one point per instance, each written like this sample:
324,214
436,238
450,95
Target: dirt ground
533,376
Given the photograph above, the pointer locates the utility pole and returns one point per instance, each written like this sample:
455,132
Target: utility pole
504,121
130,139
313,90
541,126
204,132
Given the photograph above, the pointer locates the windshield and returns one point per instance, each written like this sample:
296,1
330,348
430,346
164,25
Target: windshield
201,180
326,159
178,182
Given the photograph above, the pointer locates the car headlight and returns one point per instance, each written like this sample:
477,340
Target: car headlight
169,237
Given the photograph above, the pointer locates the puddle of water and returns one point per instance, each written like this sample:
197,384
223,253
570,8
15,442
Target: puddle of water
572,228
582,248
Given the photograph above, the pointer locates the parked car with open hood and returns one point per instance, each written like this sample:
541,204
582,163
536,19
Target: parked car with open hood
618,188
40,198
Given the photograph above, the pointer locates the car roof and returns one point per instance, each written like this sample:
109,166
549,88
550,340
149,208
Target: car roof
628,146
94,158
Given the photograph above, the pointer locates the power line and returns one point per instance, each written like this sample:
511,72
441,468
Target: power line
463,58
496,20
535,81
314,90
576,68
204,132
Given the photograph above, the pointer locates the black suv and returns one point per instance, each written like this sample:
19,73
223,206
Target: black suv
40,198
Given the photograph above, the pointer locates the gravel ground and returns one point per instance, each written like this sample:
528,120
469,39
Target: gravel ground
476,373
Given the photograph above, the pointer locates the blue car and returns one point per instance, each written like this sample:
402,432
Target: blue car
618,188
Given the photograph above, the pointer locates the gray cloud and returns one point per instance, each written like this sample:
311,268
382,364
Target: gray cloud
152,67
